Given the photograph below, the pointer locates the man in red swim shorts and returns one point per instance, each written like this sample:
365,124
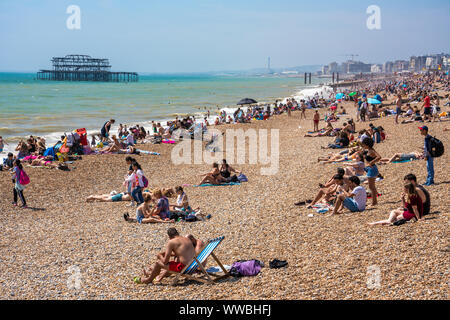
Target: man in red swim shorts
179,247
176,266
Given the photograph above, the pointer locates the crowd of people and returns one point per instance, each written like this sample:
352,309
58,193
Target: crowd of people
344,189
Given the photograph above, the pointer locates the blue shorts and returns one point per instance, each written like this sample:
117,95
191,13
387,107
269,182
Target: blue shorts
351,204
372,172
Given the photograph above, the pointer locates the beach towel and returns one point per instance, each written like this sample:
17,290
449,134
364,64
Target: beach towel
403,161
217,185
322,207
149,152
217,269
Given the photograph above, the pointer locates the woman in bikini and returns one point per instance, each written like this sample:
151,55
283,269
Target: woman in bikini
226,170
371,157
214,176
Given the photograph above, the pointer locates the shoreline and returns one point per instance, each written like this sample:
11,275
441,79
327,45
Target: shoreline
53,137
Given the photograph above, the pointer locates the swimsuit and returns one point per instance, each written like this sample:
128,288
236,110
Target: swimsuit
117,197
176,266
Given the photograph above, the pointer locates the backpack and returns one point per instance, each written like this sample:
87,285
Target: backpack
436,147
145,181
23,178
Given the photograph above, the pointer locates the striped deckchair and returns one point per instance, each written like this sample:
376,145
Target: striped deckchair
196,263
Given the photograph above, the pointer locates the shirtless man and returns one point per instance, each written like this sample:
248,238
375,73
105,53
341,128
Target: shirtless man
198,246
183,250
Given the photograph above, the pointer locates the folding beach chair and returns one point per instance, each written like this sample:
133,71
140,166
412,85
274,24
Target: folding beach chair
196,263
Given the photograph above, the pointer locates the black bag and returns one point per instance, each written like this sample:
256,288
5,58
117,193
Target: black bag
436,148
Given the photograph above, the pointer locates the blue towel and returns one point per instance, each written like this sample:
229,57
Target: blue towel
402,161
217,185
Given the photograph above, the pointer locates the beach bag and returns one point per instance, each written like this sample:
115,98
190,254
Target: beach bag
145,181
23,178
436,148
242,178
246,268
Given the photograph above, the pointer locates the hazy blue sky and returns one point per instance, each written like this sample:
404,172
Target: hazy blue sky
208,35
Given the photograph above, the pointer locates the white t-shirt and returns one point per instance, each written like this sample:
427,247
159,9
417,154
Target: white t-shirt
363,137
360,197
130,139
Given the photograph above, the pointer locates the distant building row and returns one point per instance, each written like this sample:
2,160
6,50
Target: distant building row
415,64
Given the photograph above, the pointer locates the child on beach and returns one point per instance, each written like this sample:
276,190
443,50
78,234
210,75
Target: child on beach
2,144
18,188
8,163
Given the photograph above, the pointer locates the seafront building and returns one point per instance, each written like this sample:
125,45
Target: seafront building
431,62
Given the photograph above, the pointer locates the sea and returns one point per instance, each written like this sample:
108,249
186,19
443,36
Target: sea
51,108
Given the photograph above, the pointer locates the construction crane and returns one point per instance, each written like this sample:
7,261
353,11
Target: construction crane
351,55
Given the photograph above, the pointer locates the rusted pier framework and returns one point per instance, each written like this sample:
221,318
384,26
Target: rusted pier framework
84,68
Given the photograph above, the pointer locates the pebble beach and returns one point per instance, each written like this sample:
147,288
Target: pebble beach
41,248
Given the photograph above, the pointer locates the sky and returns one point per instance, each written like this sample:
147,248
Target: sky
159,36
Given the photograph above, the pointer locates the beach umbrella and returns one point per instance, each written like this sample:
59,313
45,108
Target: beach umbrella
339,96
373,101
247,101
378,97
352,94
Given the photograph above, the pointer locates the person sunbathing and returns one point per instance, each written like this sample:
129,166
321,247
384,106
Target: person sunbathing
402,157
198,247
214,176
109,197
41,161
342,156
412,207
180,247
115,147
327,131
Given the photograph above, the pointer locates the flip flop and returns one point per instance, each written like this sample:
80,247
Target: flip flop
137,280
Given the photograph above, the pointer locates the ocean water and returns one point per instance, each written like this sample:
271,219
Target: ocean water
49,108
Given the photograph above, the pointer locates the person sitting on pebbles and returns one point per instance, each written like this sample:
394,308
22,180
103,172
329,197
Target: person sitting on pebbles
144,213
355,200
